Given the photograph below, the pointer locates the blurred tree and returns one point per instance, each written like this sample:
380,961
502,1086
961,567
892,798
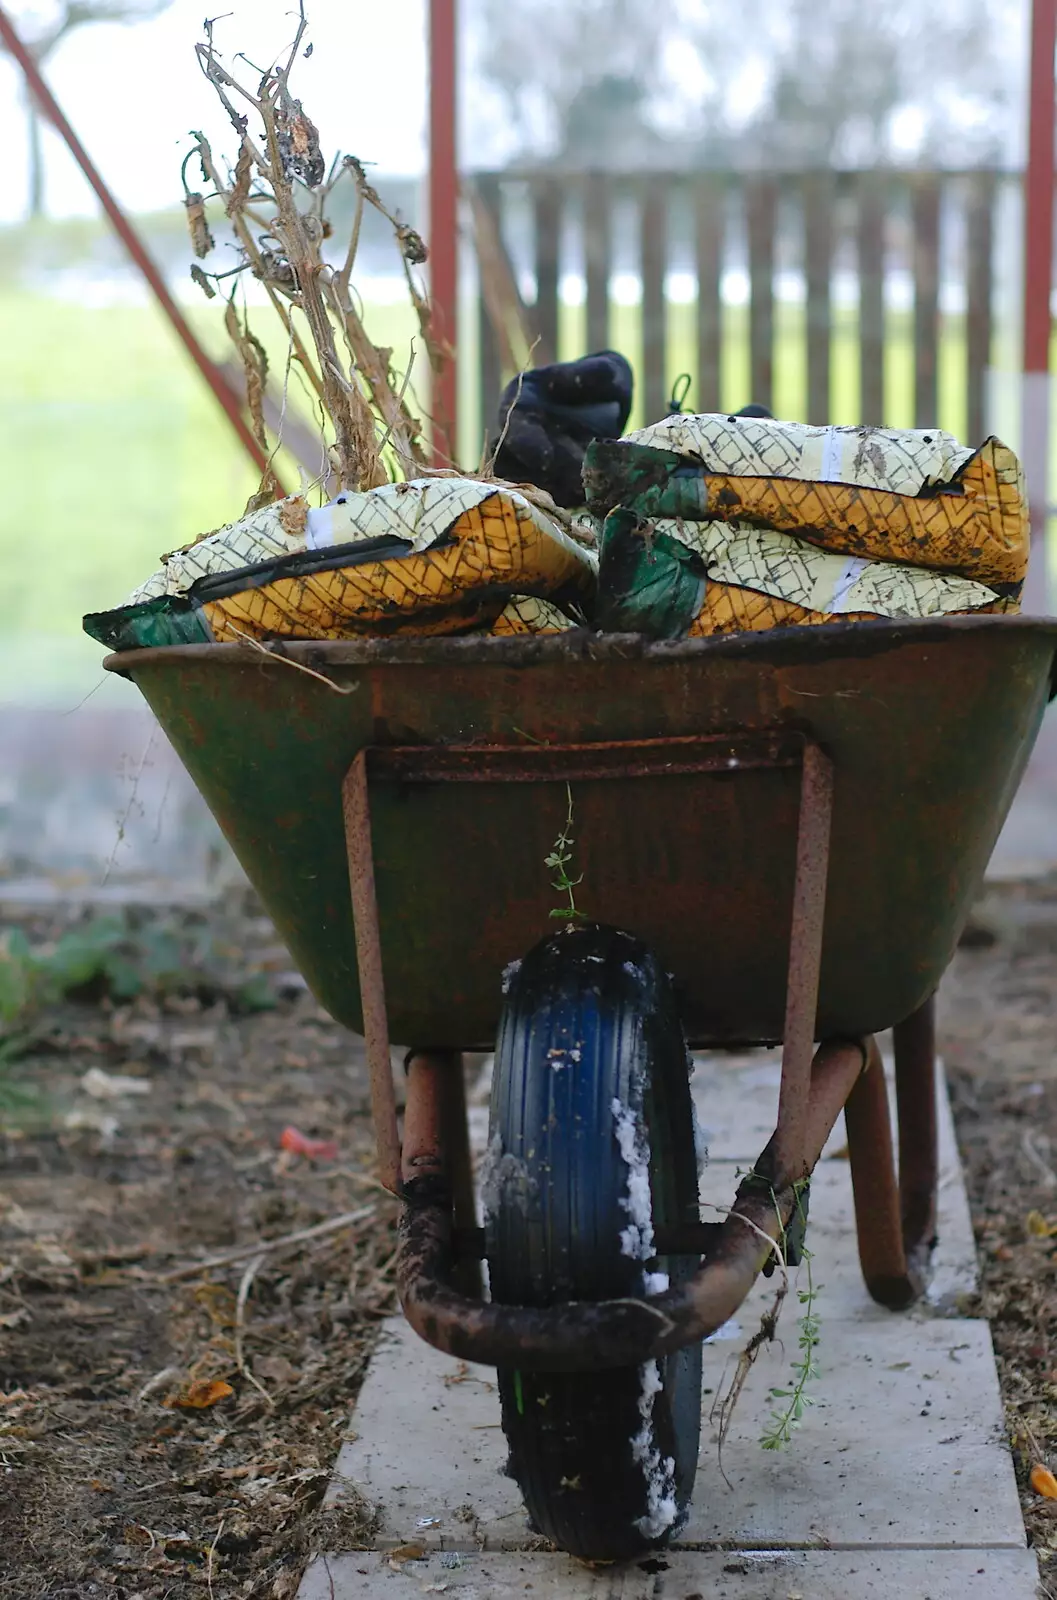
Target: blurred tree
840,84
43,25
787,83
575,77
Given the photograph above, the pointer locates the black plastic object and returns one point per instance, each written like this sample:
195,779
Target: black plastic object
591,1067
549,415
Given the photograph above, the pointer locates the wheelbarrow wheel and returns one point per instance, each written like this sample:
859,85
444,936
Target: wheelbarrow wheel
591,1147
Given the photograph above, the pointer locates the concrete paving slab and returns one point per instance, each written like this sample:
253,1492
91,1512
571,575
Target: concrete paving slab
903,1448
736,1099
719,1575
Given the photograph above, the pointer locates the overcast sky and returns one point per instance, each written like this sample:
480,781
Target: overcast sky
132,93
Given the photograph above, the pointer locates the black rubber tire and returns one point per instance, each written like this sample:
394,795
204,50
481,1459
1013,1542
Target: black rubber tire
591,1051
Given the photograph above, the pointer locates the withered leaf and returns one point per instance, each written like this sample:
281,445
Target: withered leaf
299,144
406,1552
199,277
199,1395
241,188
202,240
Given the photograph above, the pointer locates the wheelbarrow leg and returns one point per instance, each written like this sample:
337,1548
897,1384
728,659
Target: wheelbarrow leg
895,1217
436,1100
915,1053
805,961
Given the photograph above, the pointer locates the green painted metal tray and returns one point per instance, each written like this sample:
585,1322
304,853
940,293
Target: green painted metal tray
929,726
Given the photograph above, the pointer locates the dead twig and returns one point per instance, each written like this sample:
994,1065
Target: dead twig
724,1405
256,259
123,821
509,413
263,1247
299,666
240,1324
211,1555
1036,1146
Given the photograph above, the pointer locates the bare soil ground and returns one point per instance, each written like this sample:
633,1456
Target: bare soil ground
167,1425
998,1034
173,1393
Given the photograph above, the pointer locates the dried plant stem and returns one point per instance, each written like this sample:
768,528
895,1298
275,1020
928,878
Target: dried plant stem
401,426
249,244
210,1557
438,350
356,458
357,462
281,240
299,666
240,1324
405,385
345,275
261,1247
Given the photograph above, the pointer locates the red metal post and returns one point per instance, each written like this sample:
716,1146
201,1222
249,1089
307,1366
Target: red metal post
132,242
1038,278
444,222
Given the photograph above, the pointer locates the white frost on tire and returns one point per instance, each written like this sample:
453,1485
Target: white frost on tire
700,1139
636,1240
503,1176
659,1472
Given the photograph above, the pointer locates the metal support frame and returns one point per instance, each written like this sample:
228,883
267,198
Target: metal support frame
805,961
895,1217
604,1333
433,1174
357,809
916,1106
436,1100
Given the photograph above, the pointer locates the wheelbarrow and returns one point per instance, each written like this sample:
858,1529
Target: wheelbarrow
764,838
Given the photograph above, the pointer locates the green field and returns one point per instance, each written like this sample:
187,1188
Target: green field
112,450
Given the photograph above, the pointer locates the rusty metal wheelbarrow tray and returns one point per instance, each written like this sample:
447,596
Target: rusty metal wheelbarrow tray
685,803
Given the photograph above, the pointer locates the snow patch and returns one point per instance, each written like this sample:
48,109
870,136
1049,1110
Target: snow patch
659,1473
730,1329
636,1240
656,1282
510,972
